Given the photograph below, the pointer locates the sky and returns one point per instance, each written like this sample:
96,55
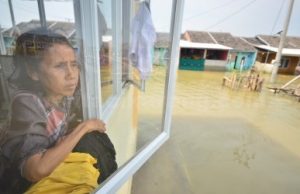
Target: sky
239,17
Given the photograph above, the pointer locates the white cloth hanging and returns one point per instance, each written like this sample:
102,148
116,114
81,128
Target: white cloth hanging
143,36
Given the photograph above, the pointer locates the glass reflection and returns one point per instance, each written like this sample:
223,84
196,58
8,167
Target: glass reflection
41,119
151,101
104,9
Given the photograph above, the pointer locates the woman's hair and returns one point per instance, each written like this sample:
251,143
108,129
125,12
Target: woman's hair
31,47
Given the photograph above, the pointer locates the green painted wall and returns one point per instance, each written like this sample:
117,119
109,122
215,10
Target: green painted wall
235,63
191,64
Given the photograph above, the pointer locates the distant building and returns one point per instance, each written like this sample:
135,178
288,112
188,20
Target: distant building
200,51
242,55
267,47
161,48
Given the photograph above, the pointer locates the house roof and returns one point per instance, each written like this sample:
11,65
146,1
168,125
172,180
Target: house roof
221,39
235,43
200,37
24,27
285,51
291,42
188,44
65,28
271,43
252,40
162,40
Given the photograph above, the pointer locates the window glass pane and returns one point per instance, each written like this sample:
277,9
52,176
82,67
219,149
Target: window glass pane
24,16
151,101
25,10
59,11
5,19
106,48
137,119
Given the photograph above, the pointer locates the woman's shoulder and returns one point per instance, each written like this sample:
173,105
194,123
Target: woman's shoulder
26,97
26,100
25,94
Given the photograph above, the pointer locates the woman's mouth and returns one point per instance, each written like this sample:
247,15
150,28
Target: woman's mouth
71,86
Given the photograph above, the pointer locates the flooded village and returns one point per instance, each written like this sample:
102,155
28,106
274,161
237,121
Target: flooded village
229,136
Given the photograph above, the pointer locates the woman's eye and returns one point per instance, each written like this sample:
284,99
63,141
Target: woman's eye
60,66
74,65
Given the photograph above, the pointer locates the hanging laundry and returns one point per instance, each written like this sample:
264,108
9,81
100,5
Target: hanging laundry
143,36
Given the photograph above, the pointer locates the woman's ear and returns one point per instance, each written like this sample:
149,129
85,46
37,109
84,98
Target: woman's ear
32,73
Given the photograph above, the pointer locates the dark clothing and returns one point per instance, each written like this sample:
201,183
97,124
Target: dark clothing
100,147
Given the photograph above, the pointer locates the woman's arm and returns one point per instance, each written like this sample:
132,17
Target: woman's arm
41,165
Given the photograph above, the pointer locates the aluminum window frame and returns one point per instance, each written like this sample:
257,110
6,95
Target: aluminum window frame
87,32
128,170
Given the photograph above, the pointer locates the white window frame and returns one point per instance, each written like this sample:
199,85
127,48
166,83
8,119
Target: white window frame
122,175
109,106
87,33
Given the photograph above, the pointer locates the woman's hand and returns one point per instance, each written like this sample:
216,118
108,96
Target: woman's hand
94,125
41,165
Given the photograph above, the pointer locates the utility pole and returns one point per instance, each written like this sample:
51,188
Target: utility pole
276,63
42,13
12,15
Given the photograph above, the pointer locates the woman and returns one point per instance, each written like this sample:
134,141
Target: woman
37,139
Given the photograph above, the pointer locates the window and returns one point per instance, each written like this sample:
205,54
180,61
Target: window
284,62
216,54
99,32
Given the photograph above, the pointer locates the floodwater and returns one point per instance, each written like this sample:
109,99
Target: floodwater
223,140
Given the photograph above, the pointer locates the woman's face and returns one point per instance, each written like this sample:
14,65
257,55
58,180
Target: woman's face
58,72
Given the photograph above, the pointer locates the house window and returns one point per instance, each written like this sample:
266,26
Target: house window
284,63
216,55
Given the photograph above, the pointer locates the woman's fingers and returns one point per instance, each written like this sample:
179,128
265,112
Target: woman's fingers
96,124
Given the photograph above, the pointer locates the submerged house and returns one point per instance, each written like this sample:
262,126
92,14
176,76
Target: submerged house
241,56
200,51
267,47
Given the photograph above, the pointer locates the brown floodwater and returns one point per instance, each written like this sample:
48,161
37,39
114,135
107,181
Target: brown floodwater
222,140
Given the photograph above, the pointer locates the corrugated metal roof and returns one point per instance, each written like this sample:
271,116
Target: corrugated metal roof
187,44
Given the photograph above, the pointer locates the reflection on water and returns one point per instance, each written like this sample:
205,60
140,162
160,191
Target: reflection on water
226,141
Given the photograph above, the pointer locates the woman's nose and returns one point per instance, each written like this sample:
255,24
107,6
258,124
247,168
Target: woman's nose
71,72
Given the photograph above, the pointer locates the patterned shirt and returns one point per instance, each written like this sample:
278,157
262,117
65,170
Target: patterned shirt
35,126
